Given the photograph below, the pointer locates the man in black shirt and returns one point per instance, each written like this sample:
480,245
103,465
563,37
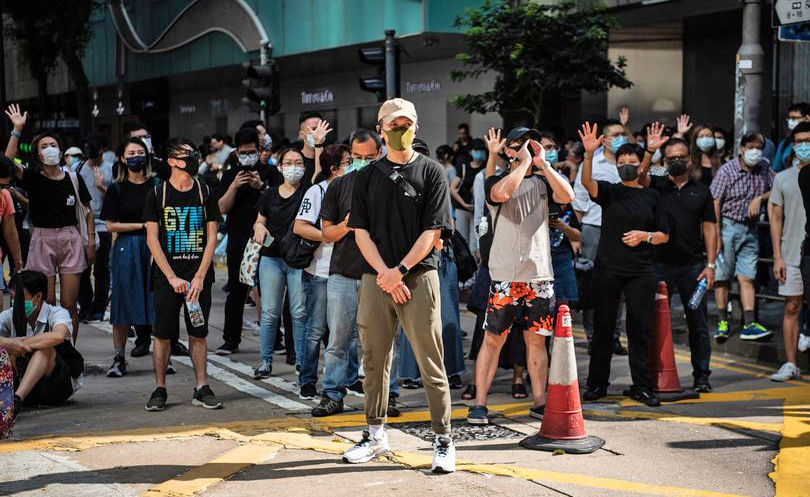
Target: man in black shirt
801,149
400,206
239,189
312,131
690,208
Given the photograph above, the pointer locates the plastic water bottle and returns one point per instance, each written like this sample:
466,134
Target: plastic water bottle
195,314
483,227
700,292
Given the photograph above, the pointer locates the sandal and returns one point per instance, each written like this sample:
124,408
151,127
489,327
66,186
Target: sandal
519,391
468,393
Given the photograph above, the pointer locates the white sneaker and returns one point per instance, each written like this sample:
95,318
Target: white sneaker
804,343
444,455
367,449
788,371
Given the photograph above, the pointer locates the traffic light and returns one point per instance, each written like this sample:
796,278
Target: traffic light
386,59
263,86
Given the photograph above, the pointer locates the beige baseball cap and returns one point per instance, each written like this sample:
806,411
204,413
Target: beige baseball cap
394,108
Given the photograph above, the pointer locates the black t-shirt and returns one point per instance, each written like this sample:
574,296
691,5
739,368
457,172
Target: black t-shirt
626,209
465,187
309,170
183,225
280,213
240,219
804,186
346,257
686,209
394,220
124,202
53,202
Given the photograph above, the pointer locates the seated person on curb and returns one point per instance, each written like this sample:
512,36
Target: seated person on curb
31,331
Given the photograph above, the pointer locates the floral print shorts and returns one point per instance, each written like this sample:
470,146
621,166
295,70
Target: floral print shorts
6,394
527,304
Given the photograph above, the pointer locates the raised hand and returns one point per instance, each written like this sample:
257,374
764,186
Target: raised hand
320,131
17,119
624,115
684,124
655,138
588,137
494,142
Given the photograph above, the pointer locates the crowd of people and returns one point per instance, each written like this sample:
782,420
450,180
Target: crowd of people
363,245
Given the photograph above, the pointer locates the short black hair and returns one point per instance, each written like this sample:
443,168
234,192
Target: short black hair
421,146
309,115
802,127
252,124
97,138
362,134
444,151
133,126
550,136
610,122
464,126
752,137
478,144
672,142
218,137
801,107
246,136
173,145
630,149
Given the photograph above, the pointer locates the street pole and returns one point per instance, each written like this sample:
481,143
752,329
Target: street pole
391,66
263,59
750,73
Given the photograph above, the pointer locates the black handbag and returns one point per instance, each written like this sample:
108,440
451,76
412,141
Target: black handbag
298,252
465,261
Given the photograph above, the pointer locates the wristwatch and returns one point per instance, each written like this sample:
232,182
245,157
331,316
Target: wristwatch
402,269
711,265
649,151
319,145
649,237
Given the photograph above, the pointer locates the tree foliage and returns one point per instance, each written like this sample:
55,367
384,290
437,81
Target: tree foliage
535,51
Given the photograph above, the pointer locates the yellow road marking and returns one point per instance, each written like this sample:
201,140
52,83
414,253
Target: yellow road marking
790,464
215,471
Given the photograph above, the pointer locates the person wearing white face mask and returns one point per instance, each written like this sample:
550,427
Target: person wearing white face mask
277,208
797,113
704,154
723,142
73,158
739,189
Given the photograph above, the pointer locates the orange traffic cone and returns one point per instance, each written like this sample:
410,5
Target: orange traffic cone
663,370
563,426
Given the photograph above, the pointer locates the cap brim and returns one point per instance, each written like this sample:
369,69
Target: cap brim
400,113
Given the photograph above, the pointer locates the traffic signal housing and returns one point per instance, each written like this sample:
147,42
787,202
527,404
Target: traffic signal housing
385,58
263,86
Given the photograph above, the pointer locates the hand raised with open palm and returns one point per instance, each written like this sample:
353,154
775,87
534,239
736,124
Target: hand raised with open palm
589,137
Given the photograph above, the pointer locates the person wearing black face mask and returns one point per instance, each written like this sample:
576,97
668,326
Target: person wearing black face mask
632,223
689,206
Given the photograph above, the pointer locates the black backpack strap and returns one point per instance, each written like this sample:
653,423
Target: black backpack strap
495,222
398,179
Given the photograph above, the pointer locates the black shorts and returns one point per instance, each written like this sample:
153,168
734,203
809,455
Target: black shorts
168,306
529,304
51,390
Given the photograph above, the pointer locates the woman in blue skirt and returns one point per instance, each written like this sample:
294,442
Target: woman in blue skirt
131,303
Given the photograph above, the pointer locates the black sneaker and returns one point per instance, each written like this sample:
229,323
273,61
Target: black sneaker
308,392
118,368
455,382
537,412
327,407
263,370
140,350
357,389
157,402
645,396
131,332
227,348
411,384
702,385
179,349
393,410
170,368
618,348
594,393
16,407
204,397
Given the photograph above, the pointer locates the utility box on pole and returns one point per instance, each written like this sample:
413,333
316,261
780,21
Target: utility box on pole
750,73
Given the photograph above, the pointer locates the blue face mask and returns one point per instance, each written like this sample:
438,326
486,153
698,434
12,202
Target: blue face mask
551,156
617,142
479,155
802,151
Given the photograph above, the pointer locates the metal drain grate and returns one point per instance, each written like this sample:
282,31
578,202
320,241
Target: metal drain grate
462,431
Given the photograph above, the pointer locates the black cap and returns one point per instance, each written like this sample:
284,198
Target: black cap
420,146
518,133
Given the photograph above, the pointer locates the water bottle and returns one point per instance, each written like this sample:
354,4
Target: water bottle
700,292
483,227
719,263
195,314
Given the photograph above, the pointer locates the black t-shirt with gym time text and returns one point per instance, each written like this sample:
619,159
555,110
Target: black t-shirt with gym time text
626,209
124,202
53,202
183,225
346,257
395,221
280,214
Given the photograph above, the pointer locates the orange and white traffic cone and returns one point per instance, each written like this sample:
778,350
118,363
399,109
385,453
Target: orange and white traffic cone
563,426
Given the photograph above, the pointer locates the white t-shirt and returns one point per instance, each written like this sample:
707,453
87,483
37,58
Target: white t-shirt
309,211
601,170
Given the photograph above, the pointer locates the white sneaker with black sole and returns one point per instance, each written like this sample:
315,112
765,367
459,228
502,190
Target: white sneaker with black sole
444,455
367,448
804,342
787,372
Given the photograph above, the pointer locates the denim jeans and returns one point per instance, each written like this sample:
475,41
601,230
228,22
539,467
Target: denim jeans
274,277
340,362
315,290
451,325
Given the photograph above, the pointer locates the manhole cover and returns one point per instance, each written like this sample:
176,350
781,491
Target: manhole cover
462,431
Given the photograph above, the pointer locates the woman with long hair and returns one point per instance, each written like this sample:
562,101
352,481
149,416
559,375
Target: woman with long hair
724,142
705,155
131,303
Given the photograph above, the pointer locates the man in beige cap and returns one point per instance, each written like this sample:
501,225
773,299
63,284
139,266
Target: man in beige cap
400,206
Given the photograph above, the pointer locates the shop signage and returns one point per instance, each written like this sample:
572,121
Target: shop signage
321,96
187,109
432,86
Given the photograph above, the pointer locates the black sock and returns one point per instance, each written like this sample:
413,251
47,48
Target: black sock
722,314
748,317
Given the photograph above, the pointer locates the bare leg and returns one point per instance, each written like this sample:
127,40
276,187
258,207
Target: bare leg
160,358
517,376
721,294
51,290
68,290
120,336
746,293
41,364
199,352
537,361
790,327
487,364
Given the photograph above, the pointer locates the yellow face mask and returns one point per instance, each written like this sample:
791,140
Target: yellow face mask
400,139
